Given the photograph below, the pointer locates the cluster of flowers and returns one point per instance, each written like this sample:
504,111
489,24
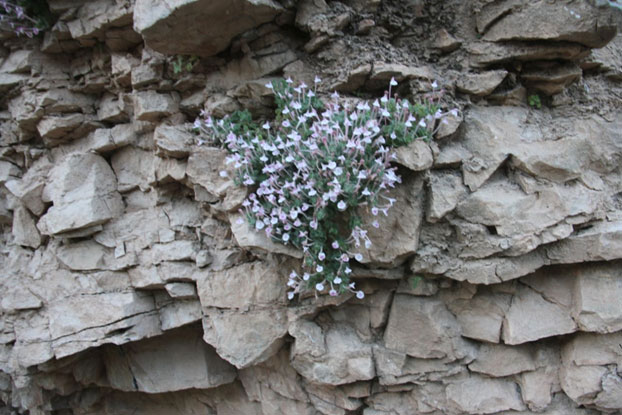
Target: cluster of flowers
13,18
316,169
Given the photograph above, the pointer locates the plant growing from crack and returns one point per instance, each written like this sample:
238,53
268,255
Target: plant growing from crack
316,168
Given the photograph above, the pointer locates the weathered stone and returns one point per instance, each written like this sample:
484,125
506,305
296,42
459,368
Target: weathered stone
397,234
481,84
169,28
537,387
173,141
382,73
479,395
445,42
176,361
250,284
181,290
581,23
245,338
581,383
247,237
121,67
599,242
499,360
114,109
30,187
422,327
446,191
60,128
108,139
93,18
485,54
25,231
151,106
133,168
551,79
80,200
531,317
339,356
596,299
416,156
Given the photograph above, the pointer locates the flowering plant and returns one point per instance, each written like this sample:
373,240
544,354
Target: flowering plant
315,168
13,17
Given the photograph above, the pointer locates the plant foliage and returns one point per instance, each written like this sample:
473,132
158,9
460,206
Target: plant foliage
316,168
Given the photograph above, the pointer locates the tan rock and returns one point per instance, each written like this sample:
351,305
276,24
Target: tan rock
133,168
80,200
547,319
151,106
416,156
499,360
397,235
422,327
175,361
481,84
247,237
446,191
479,395
174,141
159,23
596,299
24,230
245,338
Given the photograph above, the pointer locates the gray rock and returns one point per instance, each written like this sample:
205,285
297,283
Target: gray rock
245,338
531,317
481,84
581,23
151,105
479,395
172,362
25,232
499,360
80,200
344,358
133,168
596,299
168,28
397,235
422,327
181,290
446,191
174,141
247,237
416,156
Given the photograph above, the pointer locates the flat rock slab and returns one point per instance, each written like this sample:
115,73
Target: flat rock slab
170,27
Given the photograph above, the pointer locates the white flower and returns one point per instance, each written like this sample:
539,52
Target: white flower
360,295
321,256
285,237
434,85
293,274
319,268
290,295
333,293
319,286
342,205
266,126
289,80
223,173
338,171
358,257
291,283
317,80
375,224
347,270
259,225
306,276
393,82
337,280
269,85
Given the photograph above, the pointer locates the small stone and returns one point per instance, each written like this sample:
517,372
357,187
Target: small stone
181,290
481,84
365,26
151,105
479,395
174,141
445,42
416,156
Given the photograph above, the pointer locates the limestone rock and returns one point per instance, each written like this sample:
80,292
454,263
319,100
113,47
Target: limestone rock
151,106
80,200
247,237
175,361
25,232
337,357
596,299
481,318
500,360
422,327
133,168
30,187
181,290
168,28
550,79
95,17
397,235
114,108
481,84
485,54
416,156
581,23
446,190
479,395
600,242
445,42
245,285
245,338
173,141
547,318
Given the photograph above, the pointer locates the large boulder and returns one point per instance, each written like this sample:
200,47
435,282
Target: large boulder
168,27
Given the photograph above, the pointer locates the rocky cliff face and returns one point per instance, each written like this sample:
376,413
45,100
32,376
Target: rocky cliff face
129,287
